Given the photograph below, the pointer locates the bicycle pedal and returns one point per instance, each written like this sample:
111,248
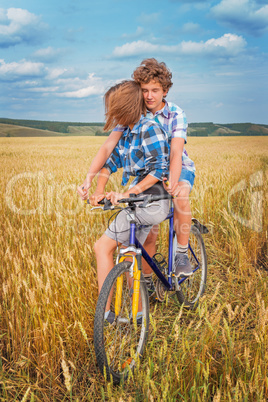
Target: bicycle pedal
160,261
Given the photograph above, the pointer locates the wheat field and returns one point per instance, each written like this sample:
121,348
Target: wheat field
48,287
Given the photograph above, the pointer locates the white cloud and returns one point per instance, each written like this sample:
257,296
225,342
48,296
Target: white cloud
55,73
47,54
79,88
44,89
82,93
21,69
36,78
226,46
135,48
18,26
244,15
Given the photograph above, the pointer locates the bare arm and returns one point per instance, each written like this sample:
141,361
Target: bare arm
102,155
146,183
101,183
176,151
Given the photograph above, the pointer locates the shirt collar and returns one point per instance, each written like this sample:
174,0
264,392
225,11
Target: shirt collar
136,128
164,110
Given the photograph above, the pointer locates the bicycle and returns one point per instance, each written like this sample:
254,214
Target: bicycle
120,343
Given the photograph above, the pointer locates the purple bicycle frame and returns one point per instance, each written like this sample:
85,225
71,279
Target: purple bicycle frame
149,260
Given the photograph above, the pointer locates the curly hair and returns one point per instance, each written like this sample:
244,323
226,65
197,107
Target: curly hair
151,69
124,104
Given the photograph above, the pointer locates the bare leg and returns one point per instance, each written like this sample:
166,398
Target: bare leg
104,249
182,214
182,226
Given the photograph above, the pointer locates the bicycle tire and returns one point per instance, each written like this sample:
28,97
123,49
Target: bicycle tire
120,344
191,289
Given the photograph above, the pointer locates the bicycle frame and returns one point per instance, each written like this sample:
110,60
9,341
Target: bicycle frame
150,261
135,242
136,247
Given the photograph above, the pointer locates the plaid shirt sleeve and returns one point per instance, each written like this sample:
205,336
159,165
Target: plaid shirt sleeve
179,126
156,151
114,161
119,128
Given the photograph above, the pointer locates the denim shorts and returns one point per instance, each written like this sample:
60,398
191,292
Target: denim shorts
188,177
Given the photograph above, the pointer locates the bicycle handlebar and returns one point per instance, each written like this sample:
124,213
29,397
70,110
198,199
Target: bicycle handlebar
146,199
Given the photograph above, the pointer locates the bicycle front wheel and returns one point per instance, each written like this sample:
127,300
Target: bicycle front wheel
120,342
190,290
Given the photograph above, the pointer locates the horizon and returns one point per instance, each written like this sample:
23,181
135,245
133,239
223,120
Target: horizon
102,122
56,66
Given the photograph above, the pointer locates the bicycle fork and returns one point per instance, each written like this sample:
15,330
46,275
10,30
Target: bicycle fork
135,275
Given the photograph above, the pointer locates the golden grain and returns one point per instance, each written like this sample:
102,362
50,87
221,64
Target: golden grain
49,287
66,373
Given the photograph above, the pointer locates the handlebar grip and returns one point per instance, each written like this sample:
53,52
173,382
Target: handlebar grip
101,202
166,183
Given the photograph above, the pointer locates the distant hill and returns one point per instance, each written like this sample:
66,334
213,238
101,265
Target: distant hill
38,128
10,130
211,129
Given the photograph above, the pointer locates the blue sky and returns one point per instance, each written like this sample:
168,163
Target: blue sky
57,58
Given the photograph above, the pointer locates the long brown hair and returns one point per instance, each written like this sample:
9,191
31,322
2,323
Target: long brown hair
124,104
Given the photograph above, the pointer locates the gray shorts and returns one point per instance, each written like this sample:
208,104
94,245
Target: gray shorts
120,228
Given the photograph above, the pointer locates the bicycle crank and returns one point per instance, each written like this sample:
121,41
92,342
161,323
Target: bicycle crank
160,290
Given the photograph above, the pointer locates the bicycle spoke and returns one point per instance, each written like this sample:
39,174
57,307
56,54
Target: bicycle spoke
118,345
189,290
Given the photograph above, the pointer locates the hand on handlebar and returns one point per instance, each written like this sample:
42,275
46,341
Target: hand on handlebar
95,198
172,188
114,197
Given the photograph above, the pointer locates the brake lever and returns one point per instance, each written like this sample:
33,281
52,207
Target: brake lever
107,205
91,209
145,202
149,205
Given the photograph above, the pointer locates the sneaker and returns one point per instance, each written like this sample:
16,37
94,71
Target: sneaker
150,285
110,319
183,267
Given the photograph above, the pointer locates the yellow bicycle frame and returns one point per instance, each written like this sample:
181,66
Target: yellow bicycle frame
136,289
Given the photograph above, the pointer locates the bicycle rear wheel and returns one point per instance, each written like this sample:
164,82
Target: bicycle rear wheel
191,289
119,344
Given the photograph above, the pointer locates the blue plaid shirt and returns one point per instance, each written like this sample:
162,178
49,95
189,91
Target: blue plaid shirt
141,151
173,120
